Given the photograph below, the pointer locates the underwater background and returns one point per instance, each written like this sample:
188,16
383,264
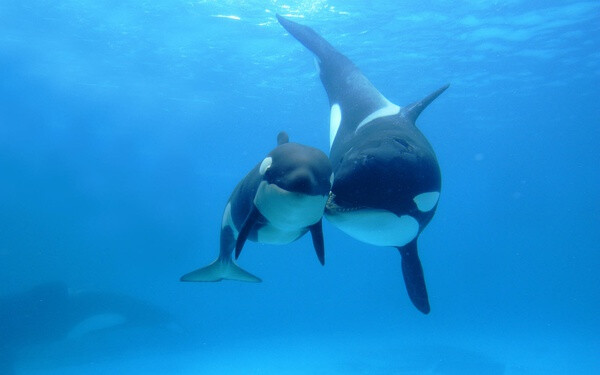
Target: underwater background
125,125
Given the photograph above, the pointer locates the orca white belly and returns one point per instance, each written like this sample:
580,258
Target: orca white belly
376,227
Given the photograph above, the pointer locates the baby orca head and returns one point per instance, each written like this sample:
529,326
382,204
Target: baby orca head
298,169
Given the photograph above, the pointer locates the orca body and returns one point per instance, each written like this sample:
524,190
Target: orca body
387,179
280,199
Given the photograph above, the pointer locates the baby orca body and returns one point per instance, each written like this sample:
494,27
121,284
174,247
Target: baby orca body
278,201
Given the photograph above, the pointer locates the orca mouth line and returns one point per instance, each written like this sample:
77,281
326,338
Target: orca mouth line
331,206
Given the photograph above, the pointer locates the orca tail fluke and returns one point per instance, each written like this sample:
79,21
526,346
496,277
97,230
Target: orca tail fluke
413,110
309,38
344,83
413,277
220,269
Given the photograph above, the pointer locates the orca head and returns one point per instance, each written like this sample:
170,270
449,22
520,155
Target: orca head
392,170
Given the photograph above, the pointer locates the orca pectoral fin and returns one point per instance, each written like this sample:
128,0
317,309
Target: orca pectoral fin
316,231
253,217
413,276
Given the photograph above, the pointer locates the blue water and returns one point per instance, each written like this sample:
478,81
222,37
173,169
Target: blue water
124,126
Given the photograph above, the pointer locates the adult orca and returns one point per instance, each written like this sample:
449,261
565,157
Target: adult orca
50,312
278,201
387,179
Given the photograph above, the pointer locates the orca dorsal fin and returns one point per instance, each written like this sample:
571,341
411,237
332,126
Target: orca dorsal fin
412,111
282,138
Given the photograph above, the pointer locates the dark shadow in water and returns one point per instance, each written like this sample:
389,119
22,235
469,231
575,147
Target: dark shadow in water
48,326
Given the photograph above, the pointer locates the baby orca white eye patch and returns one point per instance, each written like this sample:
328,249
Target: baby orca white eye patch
266,164
426,201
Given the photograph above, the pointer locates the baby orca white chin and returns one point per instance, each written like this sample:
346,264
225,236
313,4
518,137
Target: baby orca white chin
375,226
288,211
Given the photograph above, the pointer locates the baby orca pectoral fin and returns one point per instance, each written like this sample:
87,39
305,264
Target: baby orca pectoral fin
253,217
316,231
413,276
